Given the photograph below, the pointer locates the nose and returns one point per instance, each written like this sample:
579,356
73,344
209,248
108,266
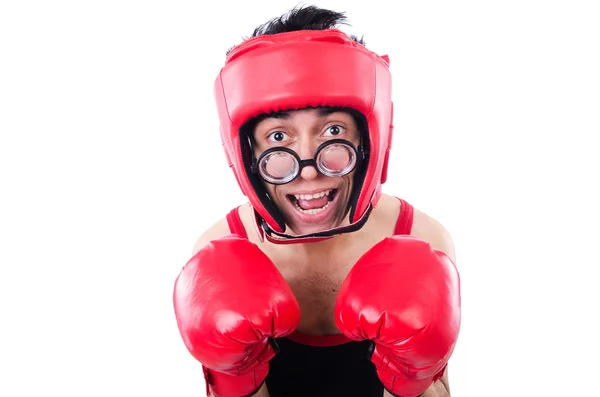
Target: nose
309,173
306,150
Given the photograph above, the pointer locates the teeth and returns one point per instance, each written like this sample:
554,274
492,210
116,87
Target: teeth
311,196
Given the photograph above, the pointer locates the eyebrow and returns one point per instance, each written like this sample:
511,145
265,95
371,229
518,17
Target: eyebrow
284,114
326,111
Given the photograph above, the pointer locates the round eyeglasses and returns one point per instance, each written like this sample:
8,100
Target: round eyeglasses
282,165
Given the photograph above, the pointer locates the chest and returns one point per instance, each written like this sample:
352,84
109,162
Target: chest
316,280
316,283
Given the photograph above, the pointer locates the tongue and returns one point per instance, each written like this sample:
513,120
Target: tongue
313,203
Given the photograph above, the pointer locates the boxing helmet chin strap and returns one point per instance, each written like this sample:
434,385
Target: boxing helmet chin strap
265,231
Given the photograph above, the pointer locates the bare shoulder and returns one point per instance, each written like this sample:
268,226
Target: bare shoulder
384,216
216,230
429,229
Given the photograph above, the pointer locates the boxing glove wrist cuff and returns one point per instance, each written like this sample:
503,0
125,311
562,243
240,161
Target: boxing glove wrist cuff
225,385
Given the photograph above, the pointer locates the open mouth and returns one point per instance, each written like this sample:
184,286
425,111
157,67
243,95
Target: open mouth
312,204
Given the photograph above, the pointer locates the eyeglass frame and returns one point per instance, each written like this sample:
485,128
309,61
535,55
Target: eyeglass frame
358,151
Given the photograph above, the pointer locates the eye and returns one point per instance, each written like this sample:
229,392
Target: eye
334,130
278,136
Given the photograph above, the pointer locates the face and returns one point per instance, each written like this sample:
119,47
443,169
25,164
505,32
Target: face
312,202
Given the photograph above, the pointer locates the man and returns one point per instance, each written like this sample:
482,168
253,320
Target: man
321,285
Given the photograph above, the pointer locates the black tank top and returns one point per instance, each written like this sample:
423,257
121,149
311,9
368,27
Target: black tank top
323,366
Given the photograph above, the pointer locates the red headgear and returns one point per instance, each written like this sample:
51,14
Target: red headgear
295,70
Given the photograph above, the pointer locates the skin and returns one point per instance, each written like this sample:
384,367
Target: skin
303,131
316,271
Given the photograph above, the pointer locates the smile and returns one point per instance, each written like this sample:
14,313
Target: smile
312,204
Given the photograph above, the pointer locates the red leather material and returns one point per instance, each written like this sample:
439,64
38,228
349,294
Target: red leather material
413,320
230,303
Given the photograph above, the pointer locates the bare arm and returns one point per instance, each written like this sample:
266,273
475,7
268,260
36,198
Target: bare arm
263,392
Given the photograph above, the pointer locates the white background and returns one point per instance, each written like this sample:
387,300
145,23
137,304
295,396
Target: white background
111,166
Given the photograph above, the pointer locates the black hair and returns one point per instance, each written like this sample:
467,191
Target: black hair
303,18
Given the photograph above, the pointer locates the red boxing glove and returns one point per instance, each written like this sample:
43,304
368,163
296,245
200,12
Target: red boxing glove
230,302
405,297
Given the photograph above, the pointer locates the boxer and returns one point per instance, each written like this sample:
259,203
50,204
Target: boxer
320,285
